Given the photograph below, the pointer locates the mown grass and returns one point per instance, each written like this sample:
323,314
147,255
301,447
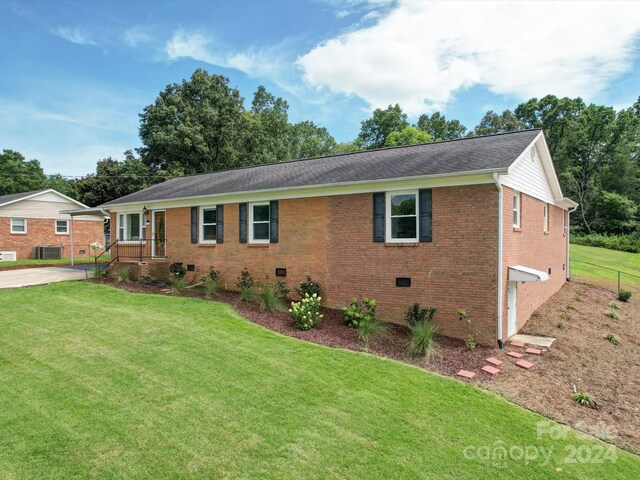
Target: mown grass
96,382
62,261
613,259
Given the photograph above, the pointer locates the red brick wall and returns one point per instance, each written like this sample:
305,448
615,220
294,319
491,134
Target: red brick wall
41,231
530,246
330,238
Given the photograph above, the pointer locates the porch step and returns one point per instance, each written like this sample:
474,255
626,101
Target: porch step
536,340
515,343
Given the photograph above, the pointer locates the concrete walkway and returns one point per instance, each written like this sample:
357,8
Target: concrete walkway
38,276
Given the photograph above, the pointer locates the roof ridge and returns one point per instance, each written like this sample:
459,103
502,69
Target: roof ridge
398,147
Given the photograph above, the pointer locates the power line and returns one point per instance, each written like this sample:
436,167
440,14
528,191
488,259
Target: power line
81,176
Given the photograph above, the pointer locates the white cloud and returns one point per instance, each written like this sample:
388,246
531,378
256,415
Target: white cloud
420,53
137,35
73,35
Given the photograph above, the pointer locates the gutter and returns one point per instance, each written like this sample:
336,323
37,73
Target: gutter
496,179
569,212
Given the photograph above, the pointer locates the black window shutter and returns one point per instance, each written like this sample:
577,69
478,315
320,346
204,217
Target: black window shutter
426,208
273,221
378,217
194,224
243,222
220,224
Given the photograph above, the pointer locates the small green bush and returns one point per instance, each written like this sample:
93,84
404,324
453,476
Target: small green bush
612,314
470,342
584,399
99,272
371,329
123,274
624,295
281,289
623,243
177,270
570,307
178,284
423,340
612,338
415,314
614,305
306,312
308,286
358,312
271,298
560,325
578,298
214,275
245,284
211,287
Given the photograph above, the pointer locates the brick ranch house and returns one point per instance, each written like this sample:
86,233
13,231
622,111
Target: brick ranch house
32,219
477,223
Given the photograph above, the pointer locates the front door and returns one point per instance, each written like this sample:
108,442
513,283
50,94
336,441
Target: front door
512,297
159,234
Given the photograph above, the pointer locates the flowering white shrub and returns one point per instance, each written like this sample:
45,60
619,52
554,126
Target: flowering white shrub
306,313
95,246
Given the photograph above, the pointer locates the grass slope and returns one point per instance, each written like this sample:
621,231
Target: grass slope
96,382
623,261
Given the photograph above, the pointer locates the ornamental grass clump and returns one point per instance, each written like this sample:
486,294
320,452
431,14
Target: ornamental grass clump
306,313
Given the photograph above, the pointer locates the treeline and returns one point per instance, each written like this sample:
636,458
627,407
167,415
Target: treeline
201,125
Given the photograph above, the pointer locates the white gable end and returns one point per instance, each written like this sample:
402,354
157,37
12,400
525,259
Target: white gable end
527,175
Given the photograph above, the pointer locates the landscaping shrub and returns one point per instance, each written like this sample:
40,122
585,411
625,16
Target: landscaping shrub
624,295
306,313
370,329
612,314
308,286
214,275
624,243
245,284
271,297
612,338
99,272
584,399
415,314
177,270
560,325
423,340
614,305
469,339
359,312
210,288
178,284
123,274
281,289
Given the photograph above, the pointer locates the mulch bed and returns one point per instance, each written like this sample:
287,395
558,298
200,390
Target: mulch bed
580,356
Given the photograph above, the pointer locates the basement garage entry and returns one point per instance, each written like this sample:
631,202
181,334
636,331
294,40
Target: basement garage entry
518,273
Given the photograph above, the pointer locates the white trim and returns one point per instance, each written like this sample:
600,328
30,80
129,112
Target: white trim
268,222
387,219
545,218
50,190
496,179
153,233
517,199
201,224
478,177
24,219
518,273
55,227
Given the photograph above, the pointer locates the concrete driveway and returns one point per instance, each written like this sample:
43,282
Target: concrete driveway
38,276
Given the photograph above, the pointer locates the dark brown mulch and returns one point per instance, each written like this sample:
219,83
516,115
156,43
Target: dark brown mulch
452,355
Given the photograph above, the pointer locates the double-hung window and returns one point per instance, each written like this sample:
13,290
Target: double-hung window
402,217
516,209
62,227
208,224
131,227
546,218
18,225
259,222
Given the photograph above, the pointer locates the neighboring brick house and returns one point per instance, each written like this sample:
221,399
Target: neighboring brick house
476,223
32,219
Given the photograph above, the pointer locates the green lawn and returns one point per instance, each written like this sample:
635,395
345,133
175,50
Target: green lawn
623,261
96,382
62,261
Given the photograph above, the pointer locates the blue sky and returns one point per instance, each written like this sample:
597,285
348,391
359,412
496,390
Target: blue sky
75,75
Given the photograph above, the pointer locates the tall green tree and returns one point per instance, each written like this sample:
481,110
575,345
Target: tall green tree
193,127
375,130
19,175
66,186
439,128
307,140
493,122
407,136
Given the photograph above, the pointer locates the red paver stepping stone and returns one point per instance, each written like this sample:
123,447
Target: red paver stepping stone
466,374
494,361
533,351
515,343
515,354
490,370
524,364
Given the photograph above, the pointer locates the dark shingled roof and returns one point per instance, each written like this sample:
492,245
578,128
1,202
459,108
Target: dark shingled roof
492,152
17,196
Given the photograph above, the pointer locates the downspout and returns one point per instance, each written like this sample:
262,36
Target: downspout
569,212
496,179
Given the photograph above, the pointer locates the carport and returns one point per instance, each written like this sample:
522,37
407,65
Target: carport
79,212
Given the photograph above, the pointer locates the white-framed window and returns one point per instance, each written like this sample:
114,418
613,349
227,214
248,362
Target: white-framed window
516,209
62,227
131,227
259,222
208,224
18,225
402,216
546,217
